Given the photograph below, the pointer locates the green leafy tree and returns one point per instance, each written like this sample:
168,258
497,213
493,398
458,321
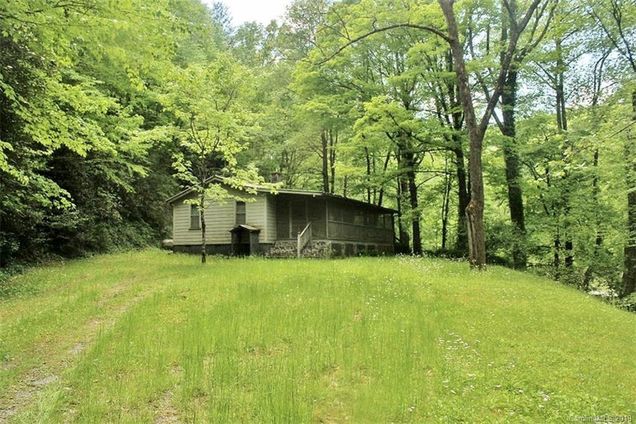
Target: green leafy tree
213,124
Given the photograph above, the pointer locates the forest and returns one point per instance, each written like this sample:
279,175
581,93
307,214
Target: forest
502,131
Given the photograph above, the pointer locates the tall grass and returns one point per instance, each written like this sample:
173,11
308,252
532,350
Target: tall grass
360,340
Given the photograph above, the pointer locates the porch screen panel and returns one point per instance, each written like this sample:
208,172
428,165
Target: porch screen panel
282,218
317,217
298,216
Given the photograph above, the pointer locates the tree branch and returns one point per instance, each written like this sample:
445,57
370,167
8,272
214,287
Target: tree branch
434,30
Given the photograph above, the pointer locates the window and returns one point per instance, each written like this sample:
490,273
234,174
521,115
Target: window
240,213
195,223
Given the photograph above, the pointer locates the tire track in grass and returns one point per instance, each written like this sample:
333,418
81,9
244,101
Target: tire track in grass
165,410
38,324
35,380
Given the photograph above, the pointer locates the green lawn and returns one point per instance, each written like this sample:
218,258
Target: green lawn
156,337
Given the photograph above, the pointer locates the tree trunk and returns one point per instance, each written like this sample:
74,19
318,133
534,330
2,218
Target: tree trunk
463,191
557,250
513,171
562,124
598,242
448,183
344,186
556,262
569,257
368,159
475,209
203,237
381,191
463,198
333,141
404,235
325,161
629,275
415,212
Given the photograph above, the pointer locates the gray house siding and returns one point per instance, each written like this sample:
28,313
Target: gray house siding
220,218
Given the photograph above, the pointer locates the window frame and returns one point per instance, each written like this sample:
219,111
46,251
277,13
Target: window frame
237,213
195,225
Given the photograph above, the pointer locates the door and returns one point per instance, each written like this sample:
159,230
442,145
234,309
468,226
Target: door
240,242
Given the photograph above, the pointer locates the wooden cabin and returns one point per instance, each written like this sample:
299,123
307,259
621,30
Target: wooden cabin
287,223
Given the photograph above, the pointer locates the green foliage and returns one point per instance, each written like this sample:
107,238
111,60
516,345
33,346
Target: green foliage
82,154
108,108
628,303
396,91
213,125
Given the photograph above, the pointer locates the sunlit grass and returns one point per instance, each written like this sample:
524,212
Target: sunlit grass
158,337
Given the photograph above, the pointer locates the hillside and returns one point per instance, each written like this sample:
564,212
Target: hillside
156,337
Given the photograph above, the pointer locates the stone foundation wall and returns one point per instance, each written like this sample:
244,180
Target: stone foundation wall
287,249
329,249
343,249
318,249
219,249
283,249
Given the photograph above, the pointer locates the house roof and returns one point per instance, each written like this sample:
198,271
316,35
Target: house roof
323,195
294,192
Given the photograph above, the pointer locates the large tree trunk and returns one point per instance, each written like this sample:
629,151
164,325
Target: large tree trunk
629,275
402,187
463,191
463,198
475,208
513,172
